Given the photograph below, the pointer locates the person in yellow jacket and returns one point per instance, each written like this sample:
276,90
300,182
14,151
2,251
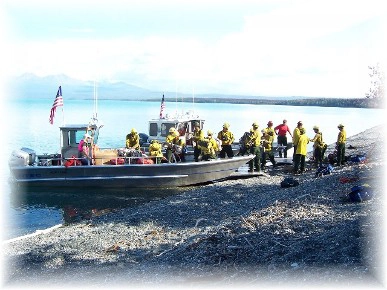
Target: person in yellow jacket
267,146
207,149
296,136
214,142
170,141
179,147
227,138
198,135
155,151
340,145
270,128
254,143
133,140
299,162
318,146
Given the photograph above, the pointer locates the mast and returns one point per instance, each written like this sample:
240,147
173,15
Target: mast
193,100
95,113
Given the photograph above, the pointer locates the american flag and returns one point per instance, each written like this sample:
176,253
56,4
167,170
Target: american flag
57,103
162,107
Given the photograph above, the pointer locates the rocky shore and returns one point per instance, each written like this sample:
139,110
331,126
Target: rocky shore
238,233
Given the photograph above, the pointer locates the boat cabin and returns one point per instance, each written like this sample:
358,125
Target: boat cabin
159,128
71,135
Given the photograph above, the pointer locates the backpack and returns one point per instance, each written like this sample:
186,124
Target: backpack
205,143
324,170
360,193
243,142
358,158
289,182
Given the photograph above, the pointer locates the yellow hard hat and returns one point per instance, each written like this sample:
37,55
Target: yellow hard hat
316,128
209,132
255,125
226,125
133,131
172,129
340,126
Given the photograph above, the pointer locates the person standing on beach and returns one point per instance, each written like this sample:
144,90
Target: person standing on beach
317,146
254,141
282,130
270,128
227,138
296,136
299,160
267,145
340,145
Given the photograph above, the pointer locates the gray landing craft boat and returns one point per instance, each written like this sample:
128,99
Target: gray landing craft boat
31,170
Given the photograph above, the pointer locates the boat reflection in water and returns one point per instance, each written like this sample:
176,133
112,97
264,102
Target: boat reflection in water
84,204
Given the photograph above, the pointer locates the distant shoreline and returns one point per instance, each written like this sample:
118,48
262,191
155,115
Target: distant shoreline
310,102
320,102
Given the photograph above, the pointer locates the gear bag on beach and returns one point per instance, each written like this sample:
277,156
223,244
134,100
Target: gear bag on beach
360,193
324,170
289,182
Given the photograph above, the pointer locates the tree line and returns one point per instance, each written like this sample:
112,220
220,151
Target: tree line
322,102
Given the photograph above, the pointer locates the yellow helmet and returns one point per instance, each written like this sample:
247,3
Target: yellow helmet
316,128
133,131
255,125
172,130
209,133
226,125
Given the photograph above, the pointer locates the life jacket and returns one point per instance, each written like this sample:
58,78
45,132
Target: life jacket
80,145
72,162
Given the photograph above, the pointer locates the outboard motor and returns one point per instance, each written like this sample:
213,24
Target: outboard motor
22,157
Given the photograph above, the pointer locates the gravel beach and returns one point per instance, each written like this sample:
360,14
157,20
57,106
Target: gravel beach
238,233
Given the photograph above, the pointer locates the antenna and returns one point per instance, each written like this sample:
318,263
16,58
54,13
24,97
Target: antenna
95,115
193,99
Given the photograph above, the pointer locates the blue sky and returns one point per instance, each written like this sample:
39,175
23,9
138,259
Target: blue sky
272,48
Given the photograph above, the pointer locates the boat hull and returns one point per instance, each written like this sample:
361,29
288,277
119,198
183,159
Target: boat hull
128,175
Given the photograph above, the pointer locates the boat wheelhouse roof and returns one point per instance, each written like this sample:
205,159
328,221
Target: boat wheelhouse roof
74,126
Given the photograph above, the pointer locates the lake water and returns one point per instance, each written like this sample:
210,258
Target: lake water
26,125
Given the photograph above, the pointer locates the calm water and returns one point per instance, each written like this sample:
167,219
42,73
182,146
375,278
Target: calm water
27,126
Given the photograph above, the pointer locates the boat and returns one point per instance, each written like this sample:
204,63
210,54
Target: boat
111,167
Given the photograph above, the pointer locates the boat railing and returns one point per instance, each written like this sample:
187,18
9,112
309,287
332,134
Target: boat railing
118,160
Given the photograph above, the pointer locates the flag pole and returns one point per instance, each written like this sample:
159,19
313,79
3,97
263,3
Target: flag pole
63,117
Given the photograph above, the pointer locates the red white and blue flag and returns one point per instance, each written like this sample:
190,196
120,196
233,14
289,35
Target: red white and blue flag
162,107
57,103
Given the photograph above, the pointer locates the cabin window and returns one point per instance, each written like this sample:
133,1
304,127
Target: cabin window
182,128
79,136
153,129
193,123
165,128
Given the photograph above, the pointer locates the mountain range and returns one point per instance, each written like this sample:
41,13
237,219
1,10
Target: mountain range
32,86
